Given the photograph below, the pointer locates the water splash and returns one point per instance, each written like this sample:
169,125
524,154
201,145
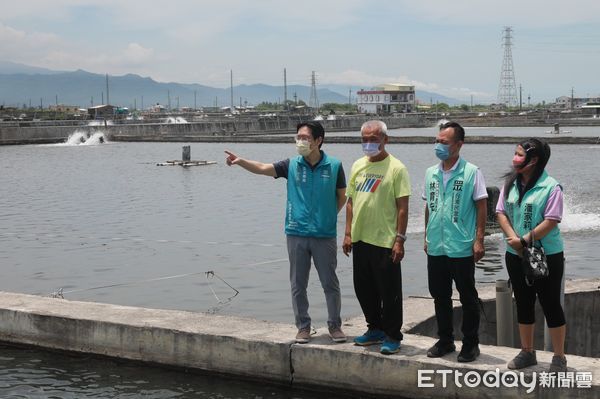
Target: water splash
577,218
440,123
76,138
95,139
83,138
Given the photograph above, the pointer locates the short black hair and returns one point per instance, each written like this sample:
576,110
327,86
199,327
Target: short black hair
459,132
316,130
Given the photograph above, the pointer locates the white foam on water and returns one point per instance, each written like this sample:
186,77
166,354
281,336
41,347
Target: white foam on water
76,138
576,218
440,123
95,139
416,224
81,138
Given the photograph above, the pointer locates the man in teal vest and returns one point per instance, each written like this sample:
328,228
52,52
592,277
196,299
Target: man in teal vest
455,216
316,191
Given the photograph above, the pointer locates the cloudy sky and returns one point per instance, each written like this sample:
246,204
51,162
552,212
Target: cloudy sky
453,48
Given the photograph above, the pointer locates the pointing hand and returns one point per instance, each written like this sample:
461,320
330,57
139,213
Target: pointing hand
231,159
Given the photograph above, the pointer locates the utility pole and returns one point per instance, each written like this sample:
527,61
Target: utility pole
231,86
350,96
572,97
177,103
135,104
295,99
102,98
142,103
471,103
529,101
169,100
92,101
195,106
285,100
520,97
314,100
41,104
107,96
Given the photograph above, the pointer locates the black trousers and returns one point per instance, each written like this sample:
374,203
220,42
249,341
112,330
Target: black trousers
546,289
441,271
378,287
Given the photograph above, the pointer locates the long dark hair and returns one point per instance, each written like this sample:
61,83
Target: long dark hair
533,148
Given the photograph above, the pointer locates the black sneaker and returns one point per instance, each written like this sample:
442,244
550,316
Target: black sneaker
440,349
468,353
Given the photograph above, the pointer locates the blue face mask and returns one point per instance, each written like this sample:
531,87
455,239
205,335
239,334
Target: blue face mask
442,151
371,149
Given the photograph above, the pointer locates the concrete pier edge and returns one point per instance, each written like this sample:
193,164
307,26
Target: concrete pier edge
265,351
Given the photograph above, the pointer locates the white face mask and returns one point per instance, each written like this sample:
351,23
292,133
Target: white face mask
303,147
371,149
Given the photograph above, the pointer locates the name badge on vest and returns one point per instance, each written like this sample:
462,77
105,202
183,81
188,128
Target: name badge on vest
434,194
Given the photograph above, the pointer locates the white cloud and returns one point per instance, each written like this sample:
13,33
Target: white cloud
136,54
18,45
51,51
530,13
358,78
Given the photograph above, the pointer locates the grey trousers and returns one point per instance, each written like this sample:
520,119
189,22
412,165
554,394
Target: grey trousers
323,252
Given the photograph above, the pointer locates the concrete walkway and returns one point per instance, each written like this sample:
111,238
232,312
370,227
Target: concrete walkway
263,350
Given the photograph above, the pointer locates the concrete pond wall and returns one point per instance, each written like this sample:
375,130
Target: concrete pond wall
195,131
265,351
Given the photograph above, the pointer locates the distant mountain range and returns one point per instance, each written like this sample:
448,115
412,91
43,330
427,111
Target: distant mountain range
23,84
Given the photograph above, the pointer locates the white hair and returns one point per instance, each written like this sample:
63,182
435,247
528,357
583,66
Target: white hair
380,125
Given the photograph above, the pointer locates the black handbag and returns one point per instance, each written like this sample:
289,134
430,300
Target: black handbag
535,265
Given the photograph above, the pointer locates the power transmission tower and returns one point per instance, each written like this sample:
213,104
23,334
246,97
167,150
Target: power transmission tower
507,90
314,101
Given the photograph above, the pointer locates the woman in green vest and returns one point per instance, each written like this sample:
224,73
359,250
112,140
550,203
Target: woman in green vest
530,208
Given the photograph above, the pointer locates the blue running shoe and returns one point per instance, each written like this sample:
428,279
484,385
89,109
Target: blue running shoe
371,337
390,346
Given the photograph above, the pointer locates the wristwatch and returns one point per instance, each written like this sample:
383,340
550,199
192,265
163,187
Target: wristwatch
401,236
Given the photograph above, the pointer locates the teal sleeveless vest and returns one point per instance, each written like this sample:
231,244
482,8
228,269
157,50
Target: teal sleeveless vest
452,213
530,213
311,198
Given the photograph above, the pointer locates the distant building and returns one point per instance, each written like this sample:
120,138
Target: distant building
67,109
158,108
591,109
101,111
566,102
498,107
387,99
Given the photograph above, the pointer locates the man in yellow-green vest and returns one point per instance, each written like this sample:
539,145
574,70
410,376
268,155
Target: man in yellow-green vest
455,214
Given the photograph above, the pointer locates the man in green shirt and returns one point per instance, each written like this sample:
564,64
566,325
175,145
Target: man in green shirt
376,219
455,214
